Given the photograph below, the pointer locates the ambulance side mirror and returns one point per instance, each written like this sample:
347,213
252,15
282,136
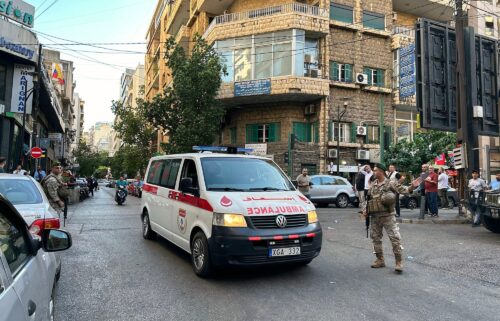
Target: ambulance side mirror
186,186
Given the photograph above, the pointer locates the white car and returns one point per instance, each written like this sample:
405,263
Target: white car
327,189
27,275
28,197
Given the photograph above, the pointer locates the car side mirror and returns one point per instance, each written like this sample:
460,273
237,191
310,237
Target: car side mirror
56,240
186,186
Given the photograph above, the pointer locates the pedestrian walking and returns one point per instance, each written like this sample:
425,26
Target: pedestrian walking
476,187
3,161
19,170
96,184
380,207
443,184
424,205
394,176
90,185
55,188
431,192
39,174
304,183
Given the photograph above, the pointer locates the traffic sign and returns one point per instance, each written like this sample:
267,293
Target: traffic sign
36,152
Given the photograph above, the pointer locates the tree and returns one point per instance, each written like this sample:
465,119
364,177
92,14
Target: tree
188,111
88,159
129,160
410,155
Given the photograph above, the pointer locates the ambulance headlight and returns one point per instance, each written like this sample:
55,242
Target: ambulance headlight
312,217
229,220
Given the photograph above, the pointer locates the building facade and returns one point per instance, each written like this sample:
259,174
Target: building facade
100,137
292,68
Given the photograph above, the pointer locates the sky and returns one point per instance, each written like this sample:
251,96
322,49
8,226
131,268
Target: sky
97,70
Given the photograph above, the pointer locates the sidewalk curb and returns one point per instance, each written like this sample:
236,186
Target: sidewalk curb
432,221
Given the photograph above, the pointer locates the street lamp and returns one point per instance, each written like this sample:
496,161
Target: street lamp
340,115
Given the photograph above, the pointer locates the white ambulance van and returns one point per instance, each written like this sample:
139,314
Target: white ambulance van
228,209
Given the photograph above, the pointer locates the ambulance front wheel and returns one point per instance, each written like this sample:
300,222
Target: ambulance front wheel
200,255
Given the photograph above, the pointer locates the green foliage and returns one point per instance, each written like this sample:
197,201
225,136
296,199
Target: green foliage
130,160
88,159
100,172
409,156
188,109
131,124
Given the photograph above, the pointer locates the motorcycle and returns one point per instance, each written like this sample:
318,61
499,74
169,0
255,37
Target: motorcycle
120,195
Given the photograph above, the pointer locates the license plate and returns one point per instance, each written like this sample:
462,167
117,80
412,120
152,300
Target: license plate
284,251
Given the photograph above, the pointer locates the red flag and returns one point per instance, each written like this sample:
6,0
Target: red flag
440,160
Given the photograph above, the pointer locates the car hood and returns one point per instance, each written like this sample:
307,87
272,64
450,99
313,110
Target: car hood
31,212
268,203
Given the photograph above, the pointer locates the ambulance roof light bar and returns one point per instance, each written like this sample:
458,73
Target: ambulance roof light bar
222,149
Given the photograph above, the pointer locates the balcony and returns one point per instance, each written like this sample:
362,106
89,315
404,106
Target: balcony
281,89
402,36
183,37
440,10
294,15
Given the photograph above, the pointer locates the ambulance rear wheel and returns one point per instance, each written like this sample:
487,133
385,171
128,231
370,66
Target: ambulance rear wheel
200,255
147,232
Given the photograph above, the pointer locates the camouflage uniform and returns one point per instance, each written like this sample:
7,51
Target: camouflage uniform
51,185
384,217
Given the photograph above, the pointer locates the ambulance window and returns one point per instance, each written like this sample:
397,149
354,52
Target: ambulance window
155,172
189,170
169,176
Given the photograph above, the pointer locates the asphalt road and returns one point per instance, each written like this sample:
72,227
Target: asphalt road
112,273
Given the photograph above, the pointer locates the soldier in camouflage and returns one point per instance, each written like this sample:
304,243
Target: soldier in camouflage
51,184
381,207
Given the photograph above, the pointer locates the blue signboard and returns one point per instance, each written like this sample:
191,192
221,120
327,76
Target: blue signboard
407,76
252,87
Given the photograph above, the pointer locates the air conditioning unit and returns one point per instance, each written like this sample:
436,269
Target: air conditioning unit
310,109
362,79
332,153
361,131
363,154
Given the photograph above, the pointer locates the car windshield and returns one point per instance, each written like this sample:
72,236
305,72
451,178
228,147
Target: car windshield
20,191
243,174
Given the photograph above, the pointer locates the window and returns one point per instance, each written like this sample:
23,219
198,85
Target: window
13,244
340,182
242,64
328,180
315,180
372,136
376,77
226,59
306,132
311,58
395,69
3,81
155,171
341,13
170,171
20,191
263,62
189,170
340,72
233,135
344,132
263,133
282,61
373,20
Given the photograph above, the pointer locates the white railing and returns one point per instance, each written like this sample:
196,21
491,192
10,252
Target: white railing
408,32
294,7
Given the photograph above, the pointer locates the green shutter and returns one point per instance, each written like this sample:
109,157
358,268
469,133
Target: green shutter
354,128
341,13
300,131
380,78
348,73
274,132
316,132
388,137
330,131
252,133
233,135
334,70
367,71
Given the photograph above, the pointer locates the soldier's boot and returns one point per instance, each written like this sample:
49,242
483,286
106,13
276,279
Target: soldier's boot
399,263
379,262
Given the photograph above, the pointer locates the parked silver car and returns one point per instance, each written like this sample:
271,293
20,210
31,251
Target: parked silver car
27,276
327,189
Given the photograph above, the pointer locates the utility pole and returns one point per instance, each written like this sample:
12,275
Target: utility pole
340,115
381,128
36,102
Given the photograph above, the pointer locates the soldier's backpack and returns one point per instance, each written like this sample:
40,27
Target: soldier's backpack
62,191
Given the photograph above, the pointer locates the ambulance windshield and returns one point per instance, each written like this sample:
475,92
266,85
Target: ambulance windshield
243,174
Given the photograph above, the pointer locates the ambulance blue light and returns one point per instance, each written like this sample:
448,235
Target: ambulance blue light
220,149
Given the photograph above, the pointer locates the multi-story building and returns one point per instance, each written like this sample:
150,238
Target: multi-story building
19,73
78,125
61,72
292,68
100,136
131,89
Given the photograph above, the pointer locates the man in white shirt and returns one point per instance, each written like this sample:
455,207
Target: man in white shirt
476,186
443,181
367,171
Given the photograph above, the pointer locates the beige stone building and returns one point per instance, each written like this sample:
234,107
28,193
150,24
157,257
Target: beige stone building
100,136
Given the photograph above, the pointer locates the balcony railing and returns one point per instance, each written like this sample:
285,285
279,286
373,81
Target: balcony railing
266,12
404,31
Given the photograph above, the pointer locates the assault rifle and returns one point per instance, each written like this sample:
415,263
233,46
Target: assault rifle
367,218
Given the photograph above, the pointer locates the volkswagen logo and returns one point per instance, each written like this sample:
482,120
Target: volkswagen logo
281,221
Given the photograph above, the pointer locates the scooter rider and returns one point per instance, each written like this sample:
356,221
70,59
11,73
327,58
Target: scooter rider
121,182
